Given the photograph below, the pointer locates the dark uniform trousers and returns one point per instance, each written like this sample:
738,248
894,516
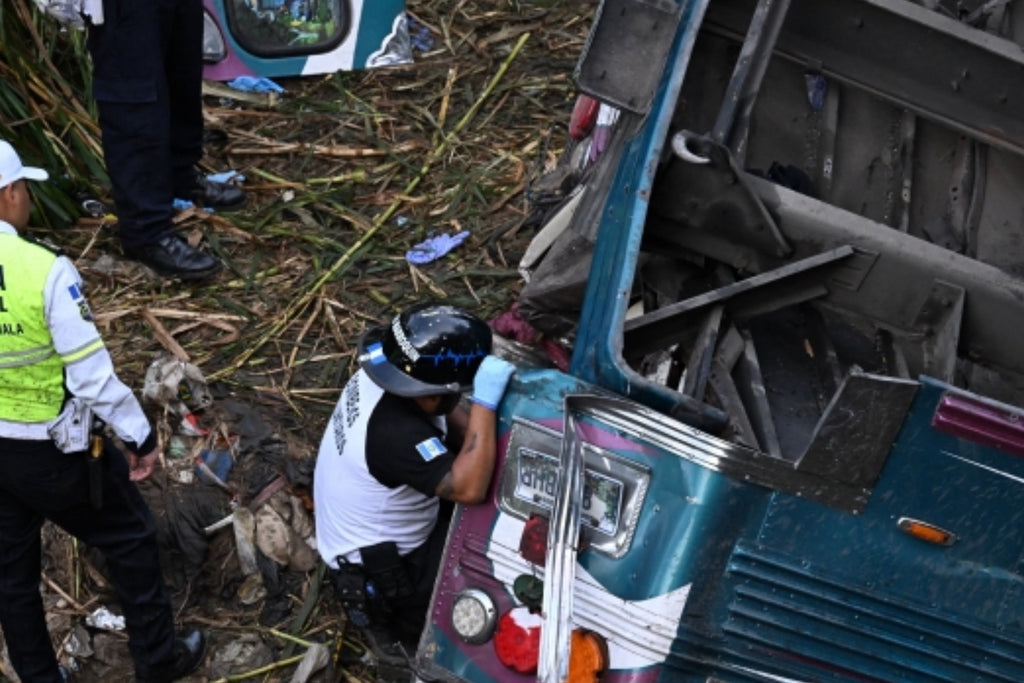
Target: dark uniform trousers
39,482
404,619
147,81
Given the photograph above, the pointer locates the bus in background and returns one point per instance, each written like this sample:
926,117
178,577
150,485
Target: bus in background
280,38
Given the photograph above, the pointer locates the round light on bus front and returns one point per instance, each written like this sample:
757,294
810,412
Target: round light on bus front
474,615
517,641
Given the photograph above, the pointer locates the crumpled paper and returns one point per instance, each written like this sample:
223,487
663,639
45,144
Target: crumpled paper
104,619
178,385
434,248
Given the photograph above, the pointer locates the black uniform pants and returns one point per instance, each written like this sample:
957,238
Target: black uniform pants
405,618
147,81
38,482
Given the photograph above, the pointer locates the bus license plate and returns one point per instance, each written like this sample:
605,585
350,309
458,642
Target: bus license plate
602,495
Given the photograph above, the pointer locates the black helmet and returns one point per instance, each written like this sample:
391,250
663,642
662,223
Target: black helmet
428,349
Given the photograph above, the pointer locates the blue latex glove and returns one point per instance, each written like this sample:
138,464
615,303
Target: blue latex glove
490,381
255,84
226,176
434,248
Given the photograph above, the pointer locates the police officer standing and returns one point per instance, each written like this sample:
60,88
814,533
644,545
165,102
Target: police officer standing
147,81
397,445
55,376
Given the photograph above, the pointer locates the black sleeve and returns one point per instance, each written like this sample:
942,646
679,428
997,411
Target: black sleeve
404,449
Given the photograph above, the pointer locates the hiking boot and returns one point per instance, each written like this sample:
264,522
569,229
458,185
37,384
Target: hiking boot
187,654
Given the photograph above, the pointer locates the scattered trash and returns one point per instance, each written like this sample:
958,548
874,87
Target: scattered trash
231,176
255,84
78,644
213,466
91,205
280,542
177,447
184,204
434,248
103,618
420,36
252,590
190,426
316,658
220,524
246,652
245,533
512,326
176,385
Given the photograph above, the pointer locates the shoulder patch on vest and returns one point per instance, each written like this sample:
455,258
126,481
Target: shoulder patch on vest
431,448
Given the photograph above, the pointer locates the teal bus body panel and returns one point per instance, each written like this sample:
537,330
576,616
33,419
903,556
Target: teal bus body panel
857,593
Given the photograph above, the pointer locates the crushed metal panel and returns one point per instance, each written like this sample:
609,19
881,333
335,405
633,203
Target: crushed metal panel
961,77
853,437
629,38
797,281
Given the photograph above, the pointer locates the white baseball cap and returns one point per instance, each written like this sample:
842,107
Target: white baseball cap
12,170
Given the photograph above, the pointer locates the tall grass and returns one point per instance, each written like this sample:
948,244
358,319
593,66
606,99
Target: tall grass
46,108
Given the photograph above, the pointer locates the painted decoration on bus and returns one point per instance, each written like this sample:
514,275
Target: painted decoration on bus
274,38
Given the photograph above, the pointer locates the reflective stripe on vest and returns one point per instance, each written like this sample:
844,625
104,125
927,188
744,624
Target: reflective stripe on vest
31,372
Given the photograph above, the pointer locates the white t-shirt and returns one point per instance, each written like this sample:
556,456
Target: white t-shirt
380,461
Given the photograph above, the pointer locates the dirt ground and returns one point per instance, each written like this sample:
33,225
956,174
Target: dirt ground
345,173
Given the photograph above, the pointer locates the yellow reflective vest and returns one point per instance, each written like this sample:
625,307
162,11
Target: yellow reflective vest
31,372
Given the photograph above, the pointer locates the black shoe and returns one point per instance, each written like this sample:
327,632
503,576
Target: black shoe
172,256
213,194
187,654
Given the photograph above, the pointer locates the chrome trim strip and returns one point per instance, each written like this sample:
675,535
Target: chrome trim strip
562,550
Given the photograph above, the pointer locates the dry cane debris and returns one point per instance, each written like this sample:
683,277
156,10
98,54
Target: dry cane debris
345,173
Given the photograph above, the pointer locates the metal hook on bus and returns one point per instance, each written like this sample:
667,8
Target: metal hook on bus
681,147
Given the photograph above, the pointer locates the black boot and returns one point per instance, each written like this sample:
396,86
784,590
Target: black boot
172,256
187,654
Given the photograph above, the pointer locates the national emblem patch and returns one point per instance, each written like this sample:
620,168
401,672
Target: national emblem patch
431,448
83,305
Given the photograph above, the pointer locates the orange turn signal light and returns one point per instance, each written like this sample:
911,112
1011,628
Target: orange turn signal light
923,531
588,657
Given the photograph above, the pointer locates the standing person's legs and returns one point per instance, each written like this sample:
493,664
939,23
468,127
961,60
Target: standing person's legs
131,94
37,481
21,606
123,531
130,85
33,474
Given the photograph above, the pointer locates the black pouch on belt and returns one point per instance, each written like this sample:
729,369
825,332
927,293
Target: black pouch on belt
350,585
384,568
95,467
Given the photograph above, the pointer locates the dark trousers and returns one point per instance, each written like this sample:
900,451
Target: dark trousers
407,618
38,482
403,619
147,81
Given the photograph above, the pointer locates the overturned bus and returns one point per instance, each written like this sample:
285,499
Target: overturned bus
790,442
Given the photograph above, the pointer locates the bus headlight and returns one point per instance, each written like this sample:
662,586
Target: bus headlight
474,616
